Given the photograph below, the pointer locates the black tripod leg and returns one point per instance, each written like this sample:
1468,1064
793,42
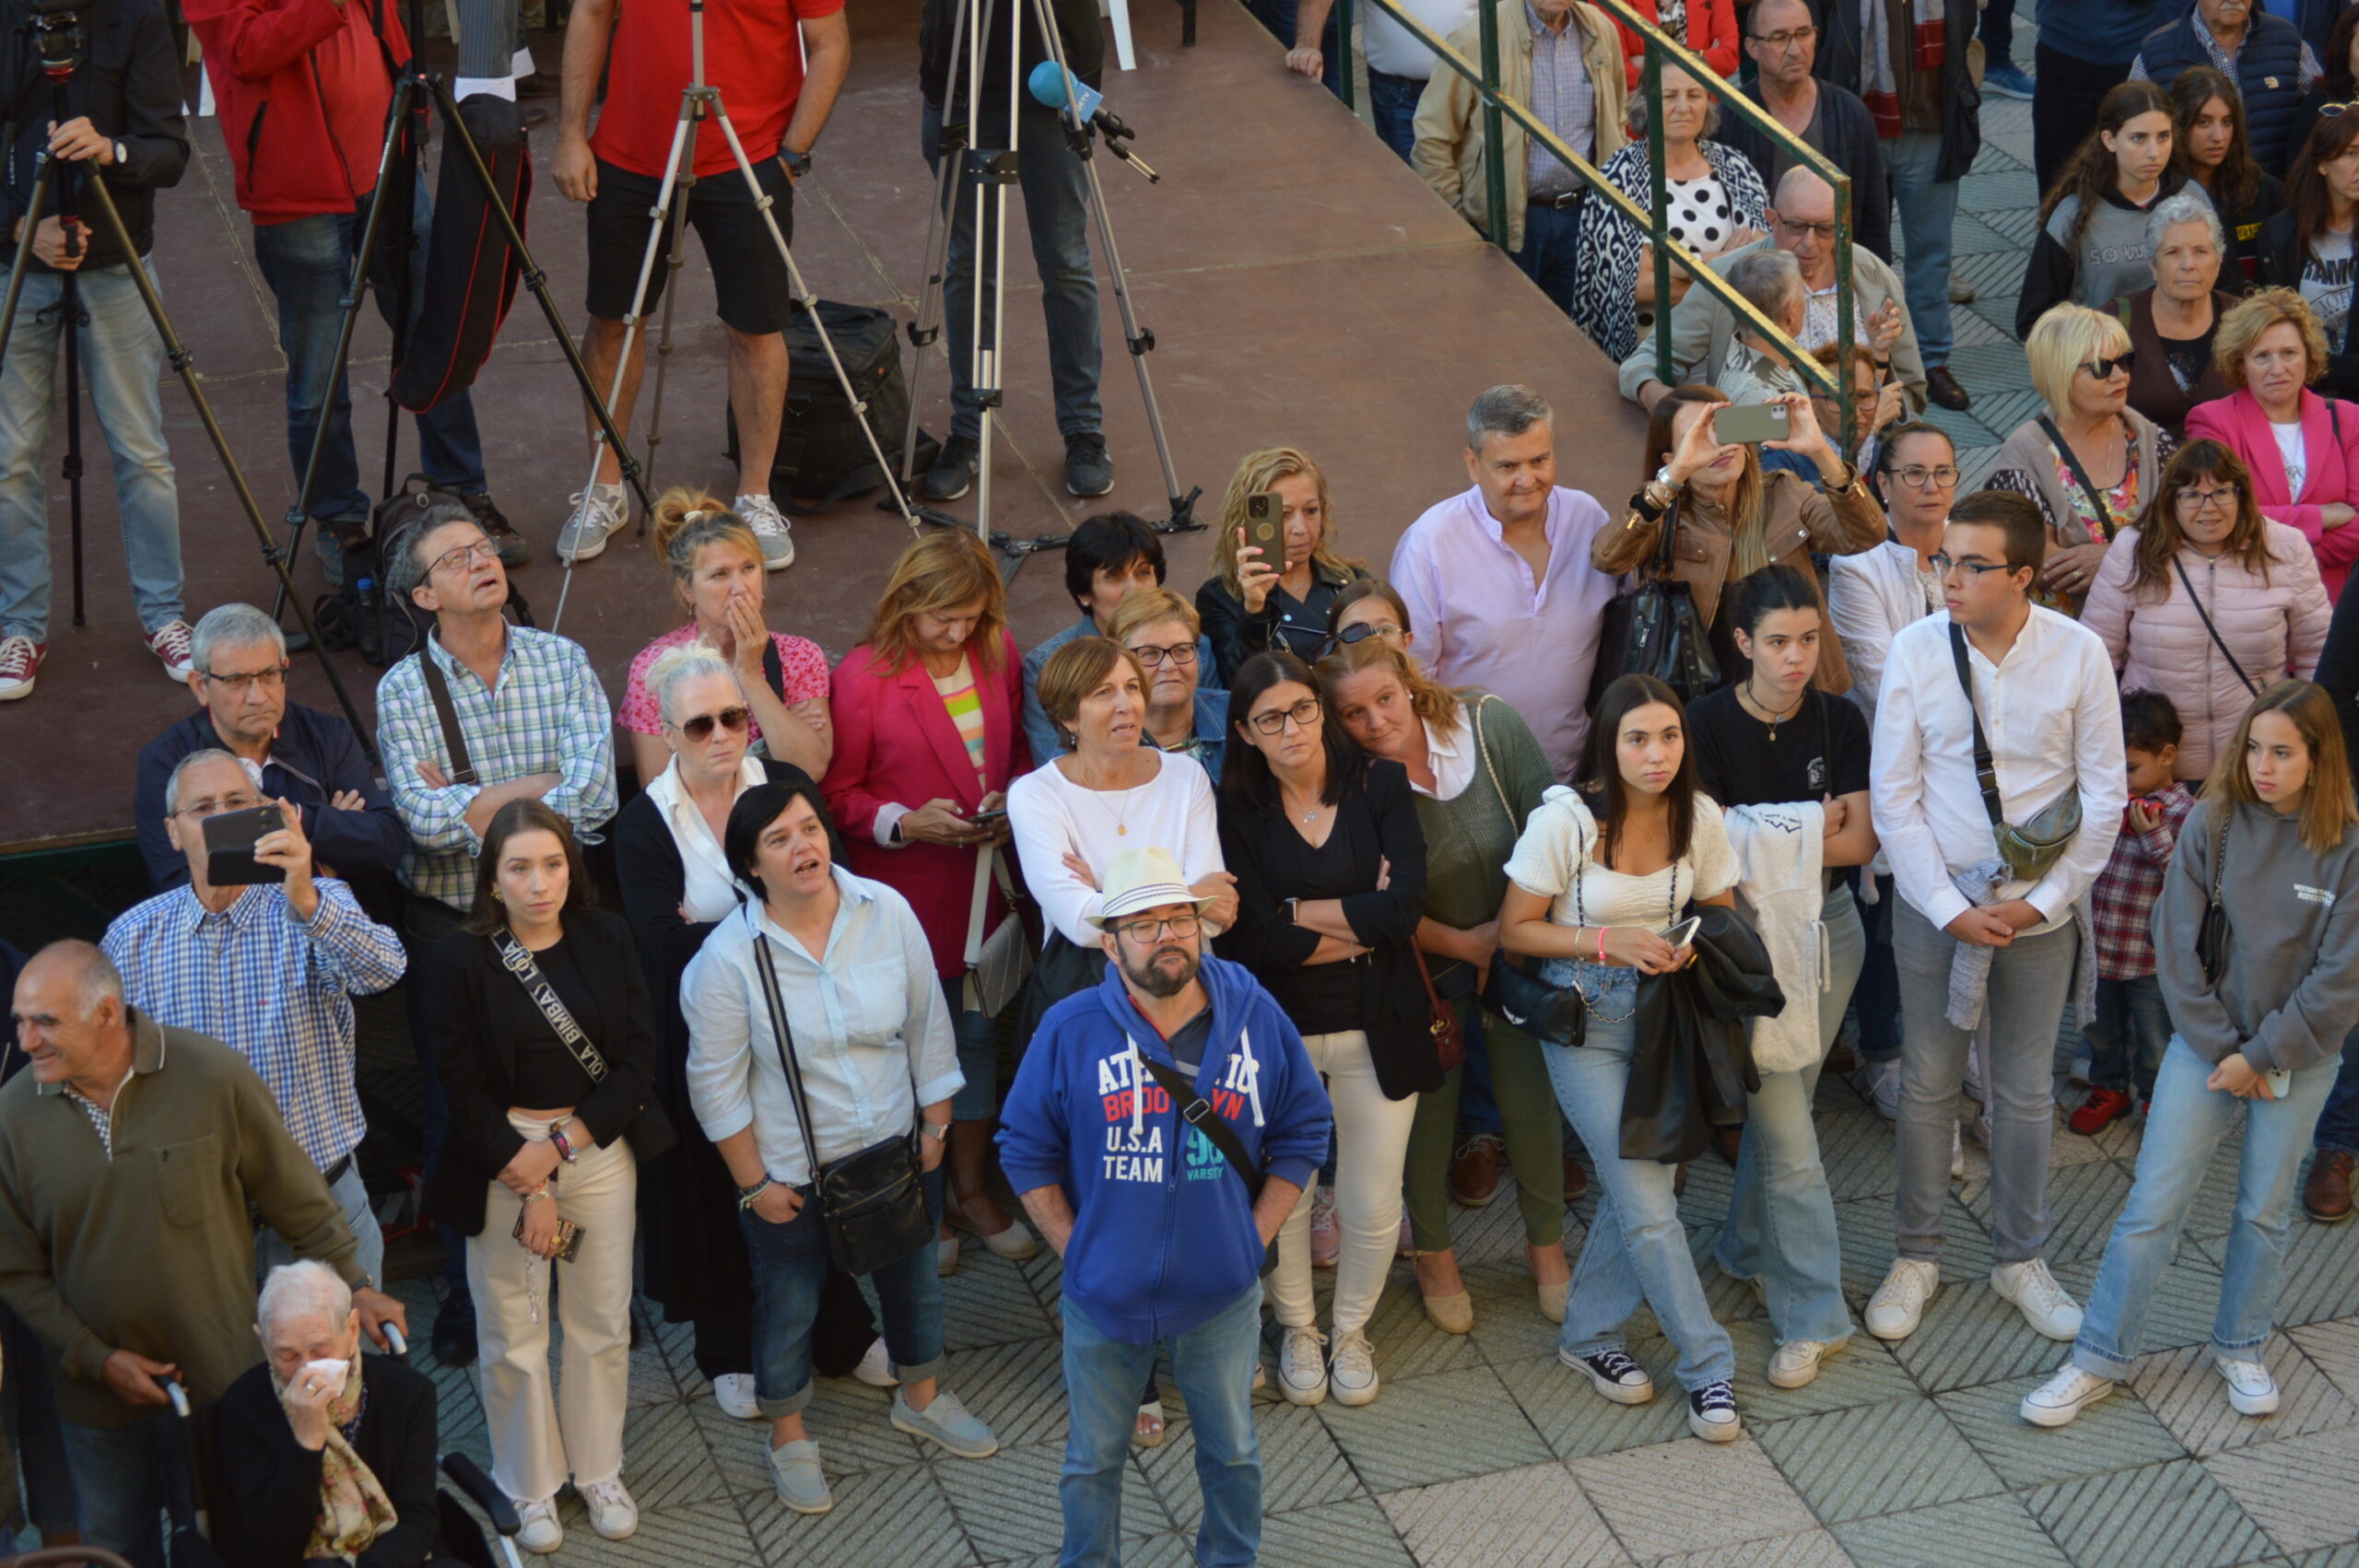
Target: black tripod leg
33,208
71,319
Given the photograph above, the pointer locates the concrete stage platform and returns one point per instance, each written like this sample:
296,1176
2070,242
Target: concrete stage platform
1303,286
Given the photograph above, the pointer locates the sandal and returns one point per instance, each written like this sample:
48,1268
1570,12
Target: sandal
1147,1432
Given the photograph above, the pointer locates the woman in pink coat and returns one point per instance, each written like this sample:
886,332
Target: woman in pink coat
2303,450
2207,602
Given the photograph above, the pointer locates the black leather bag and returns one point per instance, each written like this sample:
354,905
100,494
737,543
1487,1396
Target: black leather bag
2211,936
1692,1071
1515,992
1655,629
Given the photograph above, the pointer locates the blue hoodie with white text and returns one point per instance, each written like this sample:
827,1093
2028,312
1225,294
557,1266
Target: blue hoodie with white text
1163,1235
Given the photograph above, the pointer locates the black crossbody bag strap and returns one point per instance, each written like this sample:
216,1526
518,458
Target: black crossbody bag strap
518,960
773,672
1198,1113
782,1036
2097,497
438,691
1986,772
2205,616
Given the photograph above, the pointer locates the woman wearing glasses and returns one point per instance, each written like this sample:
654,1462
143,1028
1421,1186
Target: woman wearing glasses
2301,448
2309,246
2172,325
1331,883
1161,630
2208,601
2091,245
2090,460
717,574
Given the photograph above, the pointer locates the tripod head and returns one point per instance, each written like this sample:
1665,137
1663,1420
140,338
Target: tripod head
56,27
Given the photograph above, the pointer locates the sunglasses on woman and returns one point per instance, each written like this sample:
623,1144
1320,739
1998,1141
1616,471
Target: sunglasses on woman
1359,631
700,729
2102,370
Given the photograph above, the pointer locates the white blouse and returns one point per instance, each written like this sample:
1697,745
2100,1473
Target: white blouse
710,890
1556,859
1050,815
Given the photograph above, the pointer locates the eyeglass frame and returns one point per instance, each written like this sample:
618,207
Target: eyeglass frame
1976,571
1927,477
1782,41
480,545
2103,367
1819,230
240,685
1181,654
2201,501
1275,724
733,718
1163,925
198,809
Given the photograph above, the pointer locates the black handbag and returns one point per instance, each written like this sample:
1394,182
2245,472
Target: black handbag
1655,629
2211,936
872,1200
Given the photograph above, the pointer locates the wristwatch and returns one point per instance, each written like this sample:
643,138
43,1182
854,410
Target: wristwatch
122,154
937,1131
797,163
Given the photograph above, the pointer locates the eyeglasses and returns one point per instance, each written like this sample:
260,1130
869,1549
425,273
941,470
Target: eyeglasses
238,686
1180,654
1801,230
700,728
2103,370
1305,714
1916,476
1944,566
2223,499
1787,39
1359,631
1154,929
245,800
465,555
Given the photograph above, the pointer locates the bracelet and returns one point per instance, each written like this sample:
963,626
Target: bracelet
1600,944
538,1193
746,1195
565,1149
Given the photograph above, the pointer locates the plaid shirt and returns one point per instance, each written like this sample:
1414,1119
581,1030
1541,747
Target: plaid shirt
547,715
1564,100
276,990
2121,902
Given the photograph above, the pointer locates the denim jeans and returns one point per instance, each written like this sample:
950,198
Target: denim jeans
790,1264
1877,996
1056,211
1997,31
2338,1125
1392,102
351,1195
1637,1248
121,354
308,264
2127,1035
977,1037
1551,253
1780,1228
2184,1124
124,1478
1213,1366
1928,212
2030,982
28,1396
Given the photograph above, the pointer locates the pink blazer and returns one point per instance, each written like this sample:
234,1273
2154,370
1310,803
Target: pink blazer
2238,423
896,744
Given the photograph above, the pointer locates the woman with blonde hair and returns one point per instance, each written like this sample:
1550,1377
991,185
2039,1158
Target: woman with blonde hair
2090,460
717,574
2262,985
2302,449
1162,631
1251,605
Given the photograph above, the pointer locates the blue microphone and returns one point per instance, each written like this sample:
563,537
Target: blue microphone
1047,83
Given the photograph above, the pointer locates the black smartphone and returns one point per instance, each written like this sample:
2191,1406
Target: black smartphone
229,841
990,818
1266,525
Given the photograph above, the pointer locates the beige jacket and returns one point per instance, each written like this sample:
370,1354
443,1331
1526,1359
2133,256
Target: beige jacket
1449,151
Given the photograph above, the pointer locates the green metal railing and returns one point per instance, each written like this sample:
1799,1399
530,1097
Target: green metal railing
1497,109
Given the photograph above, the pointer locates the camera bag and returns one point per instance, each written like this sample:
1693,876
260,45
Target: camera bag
823,455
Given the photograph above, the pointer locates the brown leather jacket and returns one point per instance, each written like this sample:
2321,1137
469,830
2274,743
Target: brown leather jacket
1798,518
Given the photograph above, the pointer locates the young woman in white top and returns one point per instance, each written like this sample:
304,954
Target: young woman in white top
1597,878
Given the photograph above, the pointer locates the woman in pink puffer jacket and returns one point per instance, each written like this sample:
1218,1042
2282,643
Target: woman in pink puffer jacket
2202,551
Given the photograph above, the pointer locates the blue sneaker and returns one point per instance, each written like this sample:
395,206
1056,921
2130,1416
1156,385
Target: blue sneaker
946,1422
2008,80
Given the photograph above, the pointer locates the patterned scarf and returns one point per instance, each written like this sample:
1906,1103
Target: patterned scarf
1928,33
354,1509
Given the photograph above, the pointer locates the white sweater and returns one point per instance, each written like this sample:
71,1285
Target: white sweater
1051,815
1780,852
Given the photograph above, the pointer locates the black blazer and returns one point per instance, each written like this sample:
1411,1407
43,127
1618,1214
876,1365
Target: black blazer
477,1011
1378,820
267,1485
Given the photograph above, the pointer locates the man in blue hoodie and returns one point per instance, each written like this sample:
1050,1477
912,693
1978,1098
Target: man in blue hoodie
1161,1238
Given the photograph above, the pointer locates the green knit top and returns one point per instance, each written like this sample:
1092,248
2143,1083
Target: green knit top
1470,836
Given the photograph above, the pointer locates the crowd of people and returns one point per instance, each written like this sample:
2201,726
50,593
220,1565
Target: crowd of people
1225,937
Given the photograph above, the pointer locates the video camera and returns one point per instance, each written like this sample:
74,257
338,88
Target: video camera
57,35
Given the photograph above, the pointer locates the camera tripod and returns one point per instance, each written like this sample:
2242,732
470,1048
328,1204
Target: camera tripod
992,171
59,32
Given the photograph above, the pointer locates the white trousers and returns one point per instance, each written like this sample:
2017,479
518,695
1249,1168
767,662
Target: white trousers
540,1437
1371,1142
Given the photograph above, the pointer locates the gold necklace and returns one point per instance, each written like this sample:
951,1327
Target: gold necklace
1773,719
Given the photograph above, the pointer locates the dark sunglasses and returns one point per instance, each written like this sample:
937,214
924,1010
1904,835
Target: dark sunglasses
700,728
1359,631
2101,369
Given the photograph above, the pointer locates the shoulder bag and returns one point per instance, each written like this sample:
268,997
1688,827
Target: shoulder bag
2030,849
1513,991
2211,936
2205,615
1655,629
998,964
2081,476
872,1201
1199,1113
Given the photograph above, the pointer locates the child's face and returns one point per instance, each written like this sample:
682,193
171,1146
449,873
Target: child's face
2151,771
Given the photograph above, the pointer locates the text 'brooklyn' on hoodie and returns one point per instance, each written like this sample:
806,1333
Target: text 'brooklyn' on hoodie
1163,1235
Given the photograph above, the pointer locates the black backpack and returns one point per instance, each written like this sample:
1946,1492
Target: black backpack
363,613
470,272
822,454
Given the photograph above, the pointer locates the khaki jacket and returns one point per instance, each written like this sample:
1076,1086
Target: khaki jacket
1449,151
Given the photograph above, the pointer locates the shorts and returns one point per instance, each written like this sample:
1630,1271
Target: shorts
749,277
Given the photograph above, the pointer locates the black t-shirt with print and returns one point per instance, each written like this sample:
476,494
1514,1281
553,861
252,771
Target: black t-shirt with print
1822,749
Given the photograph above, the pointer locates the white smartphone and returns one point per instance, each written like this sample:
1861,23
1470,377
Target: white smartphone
2280,1081
1682,933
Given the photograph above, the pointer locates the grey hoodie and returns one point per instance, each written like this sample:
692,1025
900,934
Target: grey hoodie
2291,992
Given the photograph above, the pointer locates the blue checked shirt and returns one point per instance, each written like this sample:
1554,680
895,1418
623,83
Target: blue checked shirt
547,715
1564,100
276,991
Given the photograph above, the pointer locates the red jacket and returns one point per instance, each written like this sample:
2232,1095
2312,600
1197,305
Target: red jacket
277,67
1711,32
896,744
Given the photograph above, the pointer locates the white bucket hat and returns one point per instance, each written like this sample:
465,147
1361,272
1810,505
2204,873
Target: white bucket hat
1142,879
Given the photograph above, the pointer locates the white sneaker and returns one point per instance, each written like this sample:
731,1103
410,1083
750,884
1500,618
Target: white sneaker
1957,1153
612,1513
1899,1303
945,1252
1352,1373
875,1368
1302,1367
2038,1297
734,1392
2057,1401
771,531
597,512
541,1533
1795,1363
1878,1083
2251,1390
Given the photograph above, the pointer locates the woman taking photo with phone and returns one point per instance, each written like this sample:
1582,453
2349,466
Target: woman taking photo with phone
1274,594
545,1040
1599,877
1778,754
2257,943
1330,882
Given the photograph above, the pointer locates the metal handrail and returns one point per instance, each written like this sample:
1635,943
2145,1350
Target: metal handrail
1497,108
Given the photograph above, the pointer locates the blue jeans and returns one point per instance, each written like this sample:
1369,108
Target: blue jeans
790,1265
2338,1125
124,1478
1997,31
351,1195
1551,253
122,355
2128,1035
1392,102
1928,209
30,1398
1780,1228
977,1037
1637,1249
308,264
1056,211
2183,1127
1213,1366
1878,992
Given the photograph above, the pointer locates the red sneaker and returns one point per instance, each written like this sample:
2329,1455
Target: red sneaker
20,659
2103,1108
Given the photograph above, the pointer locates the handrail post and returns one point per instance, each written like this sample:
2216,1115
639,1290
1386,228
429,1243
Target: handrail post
1846,321
1658,182
1343,9
1495,162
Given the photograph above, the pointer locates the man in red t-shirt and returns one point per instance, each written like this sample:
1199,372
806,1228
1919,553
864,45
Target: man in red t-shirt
779,66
